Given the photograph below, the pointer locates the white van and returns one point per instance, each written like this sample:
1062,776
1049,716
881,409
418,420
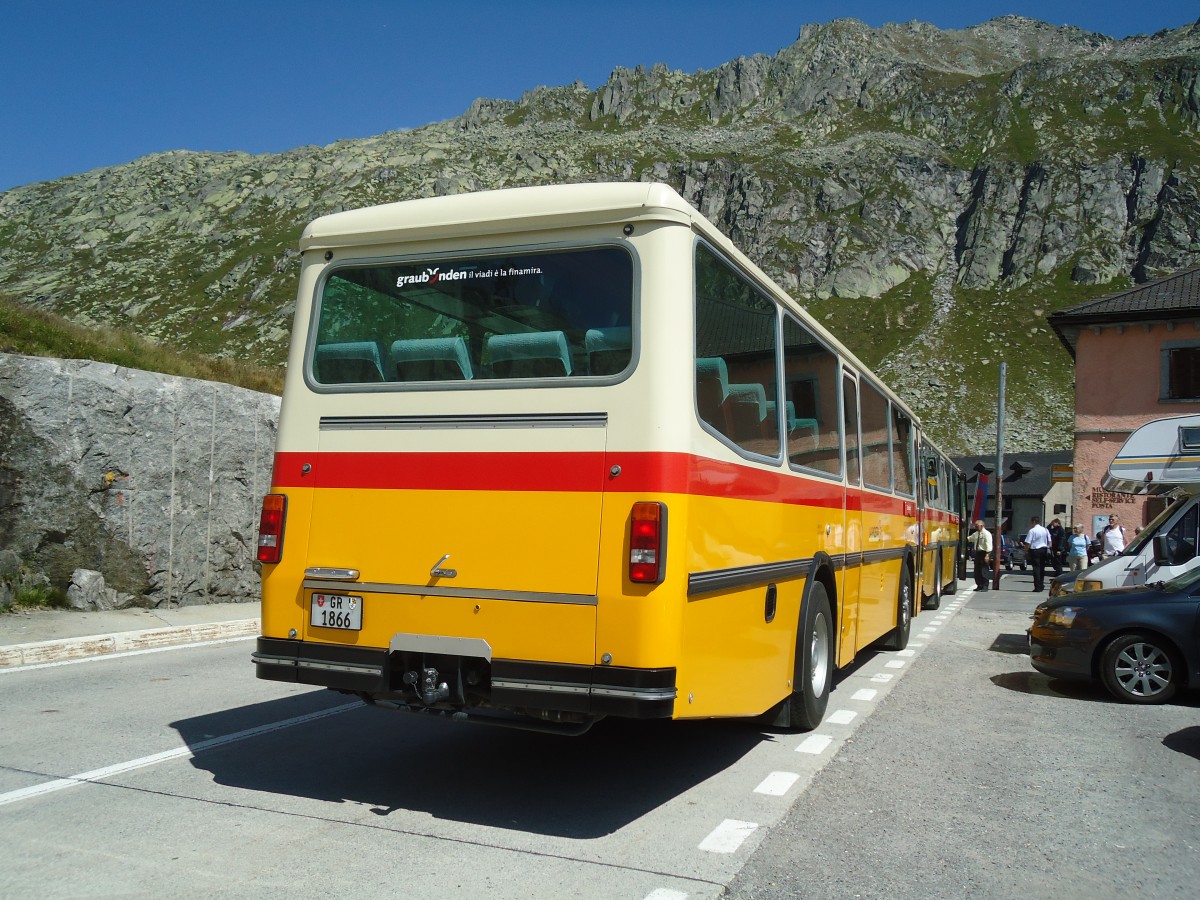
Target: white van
1162,458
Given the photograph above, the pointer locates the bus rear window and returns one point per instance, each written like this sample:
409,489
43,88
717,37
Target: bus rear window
554,315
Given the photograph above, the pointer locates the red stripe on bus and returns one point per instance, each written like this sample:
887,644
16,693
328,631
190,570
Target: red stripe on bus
640,473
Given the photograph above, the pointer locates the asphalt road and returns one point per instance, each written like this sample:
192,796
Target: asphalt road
979,777
951,770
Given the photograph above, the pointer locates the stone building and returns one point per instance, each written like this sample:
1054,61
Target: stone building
1137,358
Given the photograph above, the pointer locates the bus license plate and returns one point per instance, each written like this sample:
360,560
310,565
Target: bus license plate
336,611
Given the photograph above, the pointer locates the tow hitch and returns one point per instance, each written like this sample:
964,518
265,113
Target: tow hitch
428,686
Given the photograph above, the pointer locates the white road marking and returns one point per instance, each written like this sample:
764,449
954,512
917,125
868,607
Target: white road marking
894,664
842,716
665,894
867,694
728,836
58,784
777,783
882,677
814,744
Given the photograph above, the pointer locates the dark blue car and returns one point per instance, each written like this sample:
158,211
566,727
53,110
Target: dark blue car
1142,643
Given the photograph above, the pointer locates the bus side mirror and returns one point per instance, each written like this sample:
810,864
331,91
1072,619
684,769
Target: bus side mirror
1162,552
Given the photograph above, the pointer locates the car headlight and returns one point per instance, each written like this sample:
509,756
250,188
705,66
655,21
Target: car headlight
1064,616
1089,585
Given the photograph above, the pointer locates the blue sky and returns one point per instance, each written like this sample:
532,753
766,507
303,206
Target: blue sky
99,83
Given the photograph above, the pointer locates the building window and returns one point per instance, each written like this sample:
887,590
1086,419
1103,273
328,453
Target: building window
1181,372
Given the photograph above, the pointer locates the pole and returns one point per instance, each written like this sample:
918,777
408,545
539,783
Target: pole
999,479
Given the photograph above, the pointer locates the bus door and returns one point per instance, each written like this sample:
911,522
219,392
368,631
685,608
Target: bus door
853,544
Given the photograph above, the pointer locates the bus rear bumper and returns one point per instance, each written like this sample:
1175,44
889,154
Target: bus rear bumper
512,684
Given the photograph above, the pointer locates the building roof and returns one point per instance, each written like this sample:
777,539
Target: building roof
1174,297
1025,474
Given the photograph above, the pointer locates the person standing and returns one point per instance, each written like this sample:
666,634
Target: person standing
1037,541
1112,538
980,541
1058,540
1077,549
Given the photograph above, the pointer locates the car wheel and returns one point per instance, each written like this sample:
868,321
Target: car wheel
1139,668
897,638
812,677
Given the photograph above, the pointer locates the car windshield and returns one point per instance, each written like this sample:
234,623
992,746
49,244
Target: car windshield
1148,533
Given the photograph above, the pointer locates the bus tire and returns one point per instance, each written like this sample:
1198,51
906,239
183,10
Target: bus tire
935,600
812,677
952,587
897,638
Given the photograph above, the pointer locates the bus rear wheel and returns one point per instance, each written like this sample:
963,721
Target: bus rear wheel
934,601
812,677
897,638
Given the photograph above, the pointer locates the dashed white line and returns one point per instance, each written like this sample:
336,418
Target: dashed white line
842,716
894,664
814,744
882,677
666,894
777,783
728,836
867,694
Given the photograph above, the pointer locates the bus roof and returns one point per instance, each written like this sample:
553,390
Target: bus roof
488,212
1160,457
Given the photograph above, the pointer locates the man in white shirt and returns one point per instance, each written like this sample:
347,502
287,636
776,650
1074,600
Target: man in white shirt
1038,541
980,542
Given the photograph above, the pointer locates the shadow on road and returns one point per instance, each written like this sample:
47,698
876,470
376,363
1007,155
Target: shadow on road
1037,683
1186,741
576,787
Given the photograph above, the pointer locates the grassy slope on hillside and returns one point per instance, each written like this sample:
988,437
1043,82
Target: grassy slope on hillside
34,333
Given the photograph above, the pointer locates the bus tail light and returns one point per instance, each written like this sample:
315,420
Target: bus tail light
270,528
647,542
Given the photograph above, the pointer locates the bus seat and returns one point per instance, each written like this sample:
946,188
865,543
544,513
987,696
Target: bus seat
608,349
748,411
712,392
537,354
789,407
354,362
432,359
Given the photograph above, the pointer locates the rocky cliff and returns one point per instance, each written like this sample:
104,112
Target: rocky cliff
929,195
122,487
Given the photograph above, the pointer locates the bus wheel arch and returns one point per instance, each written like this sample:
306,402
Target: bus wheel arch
815,655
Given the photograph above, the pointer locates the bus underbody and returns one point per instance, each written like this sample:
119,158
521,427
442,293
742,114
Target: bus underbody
416,675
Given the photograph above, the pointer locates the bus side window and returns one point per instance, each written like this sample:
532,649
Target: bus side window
735,357
902,452
877,454
810,388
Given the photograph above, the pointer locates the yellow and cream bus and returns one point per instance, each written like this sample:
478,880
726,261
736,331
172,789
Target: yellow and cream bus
551,454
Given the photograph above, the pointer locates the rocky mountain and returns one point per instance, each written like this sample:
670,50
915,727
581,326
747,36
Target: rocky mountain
929,195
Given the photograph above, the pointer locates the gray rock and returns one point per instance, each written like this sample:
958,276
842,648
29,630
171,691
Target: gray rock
151,481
